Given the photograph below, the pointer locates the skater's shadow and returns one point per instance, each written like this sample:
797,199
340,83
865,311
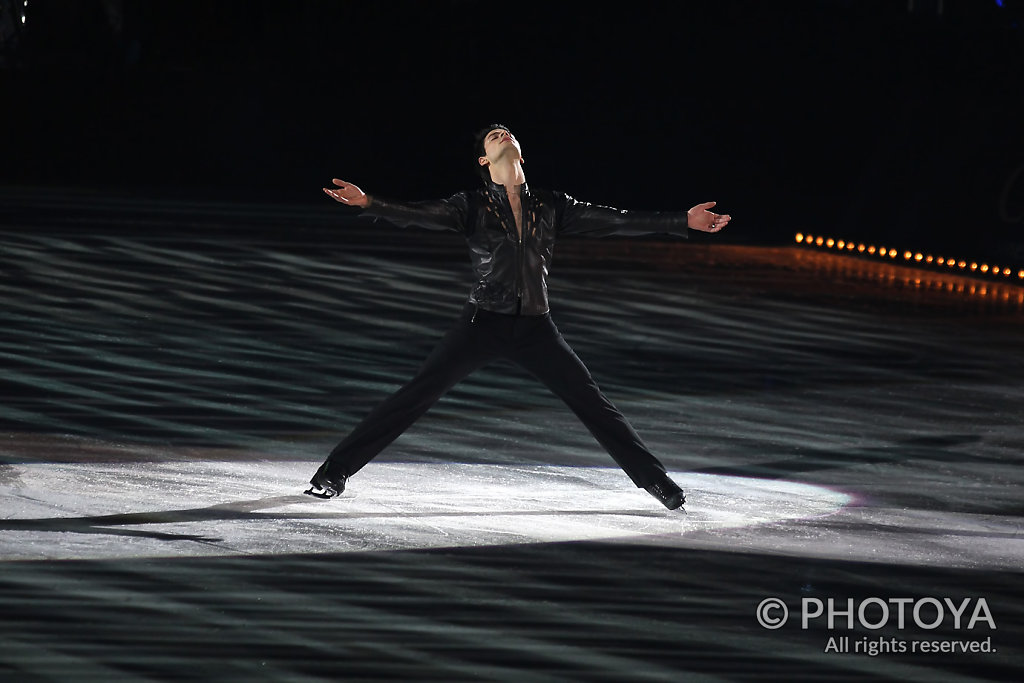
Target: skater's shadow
250,510
117,524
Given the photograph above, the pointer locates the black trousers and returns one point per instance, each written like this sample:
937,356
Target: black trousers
477,338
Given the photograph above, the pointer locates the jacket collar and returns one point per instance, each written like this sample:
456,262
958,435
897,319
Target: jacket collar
500,189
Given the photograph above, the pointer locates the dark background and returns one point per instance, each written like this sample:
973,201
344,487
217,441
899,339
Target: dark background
897,120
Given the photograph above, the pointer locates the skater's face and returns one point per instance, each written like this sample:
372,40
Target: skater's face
499,143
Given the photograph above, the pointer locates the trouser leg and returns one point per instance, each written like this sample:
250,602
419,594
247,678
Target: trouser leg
459,353
546,355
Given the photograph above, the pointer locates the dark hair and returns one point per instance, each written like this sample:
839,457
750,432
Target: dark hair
478,148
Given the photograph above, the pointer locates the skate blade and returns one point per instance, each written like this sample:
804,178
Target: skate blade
326,494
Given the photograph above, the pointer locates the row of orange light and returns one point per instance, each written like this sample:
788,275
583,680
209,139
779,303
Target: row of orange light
1008,293
872,250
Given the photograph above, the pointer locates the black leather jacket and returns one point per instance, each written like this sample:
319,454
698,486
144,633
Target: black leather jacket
511,273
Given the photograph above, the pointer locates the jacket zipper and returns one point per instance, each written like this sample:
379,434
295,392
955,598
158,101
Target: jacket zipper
519,253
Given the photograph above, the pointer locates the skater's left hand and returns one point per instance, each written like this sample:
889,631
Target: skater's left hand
701,218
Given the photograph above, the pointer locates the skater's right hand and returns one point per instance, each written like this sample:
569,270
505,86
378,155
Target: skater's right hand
347,193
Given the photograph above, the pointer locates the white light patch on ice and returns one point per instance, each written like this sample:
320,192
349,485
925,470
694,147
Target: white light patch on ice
201,508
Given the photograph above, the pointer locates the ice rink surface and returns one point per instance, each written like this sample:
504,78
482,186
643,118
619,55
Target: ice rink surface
846,431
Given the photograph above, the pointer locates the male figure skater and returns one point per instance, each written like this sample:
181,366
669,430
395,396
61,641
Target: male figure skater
511,230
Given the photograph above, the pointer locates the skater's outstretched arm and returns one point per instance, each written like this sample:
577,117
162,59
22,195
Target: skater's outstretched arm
437,214
593,220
